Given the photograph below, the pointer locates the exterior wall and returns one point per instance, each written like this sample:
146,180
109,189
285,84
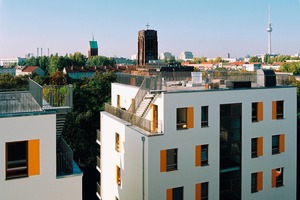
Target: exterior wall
128,159
79,75
11,71
126,93
45,185
187,175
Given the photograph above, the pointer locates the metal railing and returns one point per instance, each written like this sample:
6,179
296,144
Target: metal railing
53,95
149,83
99,162
99,189
64,157
140,122
99,135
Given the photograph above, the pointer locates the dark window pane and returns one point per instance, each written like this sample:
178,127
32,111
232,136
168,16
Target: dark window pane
275,144
254,112
204,116
16,160
171,159
254,147
178,193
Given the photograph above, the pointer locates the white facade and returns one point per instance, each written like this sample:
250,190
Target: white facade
44,183
165,55
142,173
252,67
6,62
186,55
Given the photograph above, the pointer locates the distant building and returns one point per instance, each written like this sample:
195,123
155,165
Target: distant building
147,46
9,70
133,57
30,70
7,62
186,55
252,66
165,55
79,72
93,48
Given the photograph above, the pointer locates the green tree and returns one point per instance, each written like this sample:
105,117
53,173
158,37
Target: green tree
78,59
97,61
218,59
255,59
8,81
293,67
58,78
82,123
199,60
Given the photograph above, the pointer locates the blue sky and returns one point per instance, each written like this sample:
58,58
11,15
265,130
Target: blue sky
206,27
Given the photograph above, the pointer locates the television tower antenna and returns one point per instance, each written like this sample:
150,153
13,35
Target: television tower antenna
269,30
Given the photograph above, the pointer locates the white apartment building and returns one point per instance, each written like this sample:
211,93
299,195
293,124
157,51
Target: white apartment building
165,55
219,140
35,162
186,55
6,62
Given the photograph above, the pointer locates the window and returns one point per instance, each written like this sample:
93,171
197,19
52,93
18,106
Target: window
174,193
118,175
201,191
278,144
204,116
117,142
185,118
201,155
257,111
277,110
256,147
168,160
277,177
171,159
16,160
22,159
256,182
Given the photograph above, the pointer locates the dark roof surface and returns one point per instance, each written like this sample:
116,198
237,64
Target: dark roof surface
18,102
93,45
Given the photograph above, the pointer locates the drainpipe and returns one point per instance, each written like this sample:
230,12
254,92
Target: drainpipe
143,168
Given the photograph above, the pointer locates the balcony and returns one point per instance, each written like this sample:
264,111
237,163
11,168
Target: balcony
98,190
64,159
140,122
99,136
98,164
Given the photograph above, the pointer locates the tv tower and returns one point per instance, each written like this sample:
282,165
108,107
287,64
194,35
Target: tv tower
269,30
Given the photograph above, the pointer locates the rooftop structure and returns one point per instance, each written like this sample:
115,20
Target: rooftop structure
147,46
209,136
93,48
37,162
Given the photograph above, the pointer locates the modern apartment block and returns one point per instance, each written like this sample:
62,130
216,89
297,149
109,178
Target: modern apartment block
212,139
36,162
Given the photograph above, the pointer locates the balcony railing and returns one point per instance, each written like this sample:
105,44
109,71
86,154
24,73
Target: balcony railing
64,158
99,135
99,189
98,162
140,122
51,95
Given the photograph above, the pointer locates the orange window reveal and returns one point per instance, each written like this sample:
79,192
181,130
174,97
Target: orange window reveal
33,157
